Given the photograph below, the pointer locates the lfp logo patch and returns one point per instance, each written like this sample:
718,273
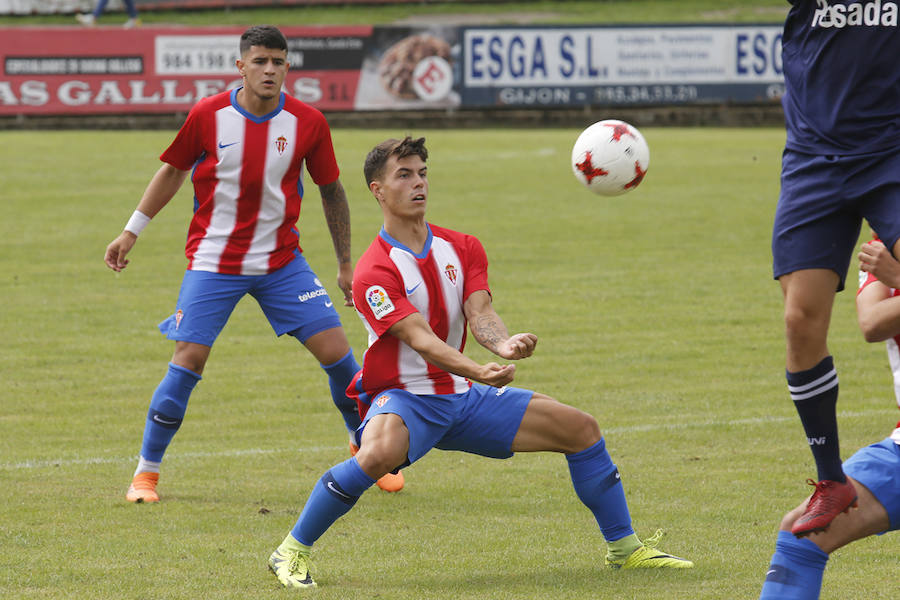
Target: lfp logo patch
382,400
379,301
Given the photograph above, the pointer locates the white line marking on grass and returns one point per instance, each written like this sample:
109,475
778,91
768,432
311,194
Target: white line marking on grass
747,421
60,462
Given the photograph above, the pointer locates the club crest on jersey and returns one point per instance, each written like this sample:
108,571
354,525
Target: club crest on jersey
379,301
450,272
382,400
281,144
179,315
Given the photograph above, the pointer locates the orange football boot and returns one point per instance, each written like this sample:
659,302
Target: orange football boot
143,488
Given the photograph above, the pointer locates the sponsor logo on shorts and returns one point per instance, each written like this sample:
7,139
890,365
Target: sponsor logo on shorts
501,391
312,294
379,301
382,400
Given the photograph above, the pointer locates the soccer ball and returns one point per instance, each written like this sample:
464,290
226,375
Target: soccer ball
610,157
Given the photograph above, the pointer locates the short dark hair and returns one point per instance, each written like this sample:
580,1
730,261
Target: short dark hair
266,36
379,155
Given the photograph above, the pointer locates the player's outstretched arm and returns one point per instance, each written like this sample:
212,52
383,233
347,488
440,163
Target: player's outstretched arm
164,185
337,215
414,331
489,330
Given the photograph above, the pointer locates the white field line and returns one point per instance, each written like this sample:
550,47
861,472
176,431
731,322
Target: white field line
175,456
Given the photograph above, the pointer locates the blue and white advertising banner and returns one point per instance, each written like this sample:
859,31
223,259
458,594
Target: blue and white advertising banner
574,66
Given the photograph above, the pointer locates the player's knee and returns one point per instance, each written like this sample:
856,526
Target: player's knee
585,431
787,521
377,458
803,323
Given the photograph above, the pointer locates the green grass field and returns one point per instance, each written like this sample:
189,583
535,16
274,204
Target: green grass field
656,312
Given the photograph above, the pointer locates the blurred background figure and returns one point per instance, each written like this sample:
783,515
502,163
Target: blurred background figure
91,18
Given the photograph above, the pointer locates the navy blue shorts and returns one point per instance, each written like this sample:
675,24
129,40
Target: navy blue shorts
292,299
822,204
878,468
482,421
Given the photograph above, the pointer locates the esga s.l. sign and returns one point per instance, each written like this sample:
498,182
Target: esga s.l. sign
584,65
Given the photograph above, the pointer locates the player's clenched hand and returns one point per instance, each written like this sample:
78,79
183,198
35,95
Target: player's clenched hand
518,346
496,375
117,249
875,258
345,282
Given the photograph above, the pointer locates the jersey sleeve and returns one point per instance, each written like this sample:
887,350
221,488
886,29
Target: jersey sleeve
320,160
379,297
865,279
187,146
476,267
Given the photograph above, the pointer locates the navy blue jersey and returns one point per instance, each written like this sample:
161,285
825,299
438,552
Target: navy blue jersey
842,76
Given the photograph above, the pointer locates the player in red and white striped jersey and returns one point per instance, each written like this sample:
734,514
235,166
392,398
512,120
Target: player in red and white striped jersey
417,287
393,282
247,148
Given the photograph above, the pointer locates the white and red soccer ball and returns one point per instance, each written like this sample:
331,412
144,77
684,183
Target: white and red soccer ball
610,157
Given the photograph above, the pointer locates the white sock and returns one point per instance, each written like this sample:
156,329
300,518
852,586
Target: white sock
147,466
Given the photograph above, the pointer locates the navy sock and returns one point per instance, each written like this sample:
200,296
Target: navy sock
339,376
332,497
815,394
796,570
167,408
599,487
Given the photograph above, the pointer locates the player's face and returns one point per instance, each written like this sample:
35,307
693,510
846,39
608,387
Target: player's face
403,191
263,70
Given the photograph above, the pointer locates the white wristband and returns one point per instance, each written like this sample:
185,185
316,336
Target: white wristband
137,222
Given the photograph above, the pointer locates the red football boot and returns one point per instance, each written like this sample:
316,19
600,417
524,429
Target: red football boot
830,499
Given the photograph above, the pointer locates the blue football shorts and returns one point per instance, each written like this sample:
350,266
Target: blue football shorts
482,421
292,298
878,468
822,204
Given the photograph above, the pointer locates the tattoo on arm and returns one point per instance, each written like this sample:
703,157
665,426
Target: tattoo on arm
337,215
489,331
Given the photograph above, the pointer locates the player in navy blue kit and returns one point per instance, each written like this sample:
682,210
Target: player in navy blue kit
797,566
841,165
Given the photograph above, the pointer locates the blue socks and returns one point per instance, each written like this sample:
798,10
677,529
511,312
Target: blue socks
339,376
167,409
332,497
796,570
815,394
599,487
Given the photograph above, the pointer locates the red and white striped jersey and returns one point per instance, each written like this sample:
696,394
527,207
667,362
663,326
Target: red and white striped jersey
392,282
248,181
893,348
